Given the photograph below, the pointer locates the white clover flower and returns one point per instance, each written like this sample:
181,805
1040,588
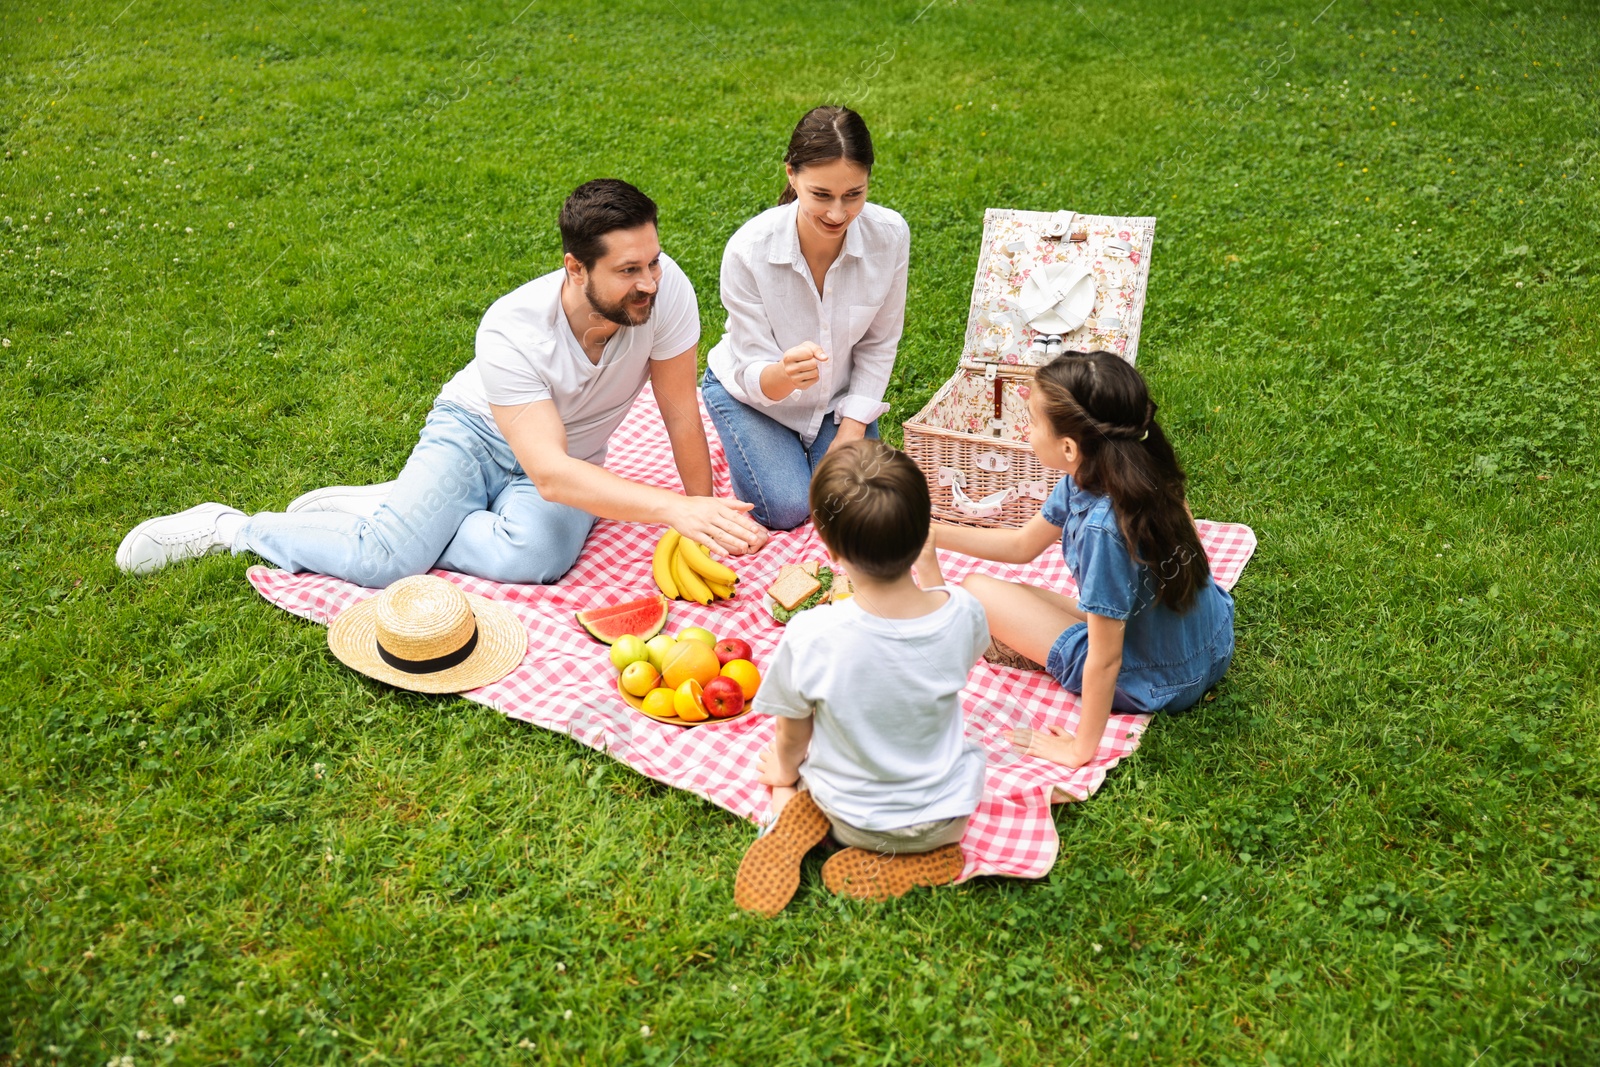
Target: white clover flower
567,1014
644,1031
188,229
143,1035
179,1000
524,1043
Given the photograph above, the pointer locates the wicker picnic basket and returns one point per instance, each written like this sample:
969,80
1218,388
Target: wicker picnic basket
971,439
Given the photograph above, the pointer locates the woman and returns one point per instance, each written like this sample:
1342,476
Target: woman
815,291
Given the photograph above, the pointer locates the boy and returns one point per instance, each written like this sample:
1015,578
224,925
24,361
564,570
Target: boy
867,693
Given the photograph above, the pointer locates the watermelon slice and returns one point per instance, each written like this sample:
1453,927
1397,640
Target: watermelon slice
643,618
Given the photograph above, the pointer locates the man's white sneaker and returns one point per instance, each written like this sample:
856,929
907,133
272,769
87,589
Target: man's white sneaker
157,542
364,500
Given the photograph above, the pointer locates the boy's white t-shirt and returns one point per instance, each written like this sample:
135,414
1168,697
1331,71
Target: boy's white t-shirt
526,352
888,748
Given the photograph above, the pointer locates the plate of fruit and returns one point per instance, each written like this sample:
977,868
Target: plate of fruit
685,679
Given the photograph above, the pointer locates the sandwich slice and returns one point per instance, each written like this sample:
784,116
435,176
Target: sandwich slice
792,588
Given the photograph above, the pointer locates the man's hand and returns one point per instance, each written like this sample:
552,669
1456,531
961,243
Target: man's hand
723,523
772,772
803,364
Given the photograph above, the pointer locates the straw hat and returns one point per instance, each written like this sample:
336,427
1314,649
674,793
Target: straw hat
424,634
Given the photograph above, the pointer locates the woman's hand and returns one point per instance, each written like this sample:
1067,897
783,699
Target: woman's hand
772,772
849,430
1052,743
802,364
716,521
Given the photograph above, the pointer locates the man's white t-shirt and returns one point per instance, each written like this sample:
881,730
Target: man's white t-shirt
888,747
526,352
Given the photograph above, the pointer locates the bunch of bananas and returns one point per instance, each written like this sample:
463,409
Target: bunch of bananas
686,571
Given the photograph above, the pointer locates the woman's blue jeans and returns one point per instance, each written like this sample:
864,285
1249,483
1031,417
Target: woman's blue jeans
462,504
771,466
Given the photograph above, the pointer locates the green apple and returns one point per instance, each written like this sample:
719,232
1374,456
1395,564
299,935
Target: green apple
696,633
657,647
627,649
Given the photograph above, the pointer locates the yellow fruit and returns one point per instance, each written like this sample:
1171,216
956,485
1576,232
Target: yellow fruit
702,564
718,590
697,633
657,648
744,672
690,585
661,563
688,660
658,703
686,703
640,677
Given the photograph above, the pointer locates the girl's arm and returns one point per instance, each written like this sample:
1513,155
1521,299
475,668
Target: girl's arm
1099,686
1021,545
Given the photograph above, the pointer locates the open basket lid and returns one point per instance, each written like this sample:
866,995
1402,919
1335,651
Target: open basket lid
1036,281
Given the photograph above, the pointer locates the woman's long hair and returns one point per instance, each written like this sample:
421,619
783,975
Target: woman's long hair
1103,404
823,135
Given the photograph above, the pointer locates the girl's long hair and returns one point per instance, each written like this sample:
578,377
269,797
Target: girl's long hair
823,135
1102,403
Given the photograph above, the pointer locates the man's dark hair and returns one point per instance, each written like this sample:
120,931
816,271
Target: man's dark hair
596,208
871,508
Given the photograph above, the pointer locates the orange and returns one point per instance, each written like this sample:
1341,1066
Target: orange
744,672
687,703
658,702
686,660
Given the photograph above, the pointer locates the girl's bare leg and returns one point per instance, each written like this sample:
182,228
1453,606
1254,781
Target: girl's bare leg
1027,618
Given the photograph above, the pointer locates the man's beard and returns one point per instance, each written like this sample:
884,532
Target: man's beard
622,312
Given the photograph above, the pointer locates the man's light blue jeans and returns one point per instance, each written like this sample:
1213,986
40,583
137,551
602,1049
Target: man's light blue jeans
462,504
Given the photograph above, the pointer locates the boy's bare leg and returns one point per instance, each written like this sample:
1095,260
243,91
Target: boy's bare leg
1022,616
781,795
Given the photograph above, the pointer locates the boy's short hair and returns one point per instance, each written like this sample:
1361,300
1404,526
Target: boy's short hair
596,208
871,507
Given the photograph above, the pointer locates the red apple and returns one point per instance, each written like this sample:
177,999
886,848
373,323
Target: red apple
723,698
730,649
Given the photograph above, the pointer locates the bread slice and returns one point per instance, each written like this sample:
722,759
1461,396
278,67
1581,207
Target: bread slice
842,589
793,586
810,567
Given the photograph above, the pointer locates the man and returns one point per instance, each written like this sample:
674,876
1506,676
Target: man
506,480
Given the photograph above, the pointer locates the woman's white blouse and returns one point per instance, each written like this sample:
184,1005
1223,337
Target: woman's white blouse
773,305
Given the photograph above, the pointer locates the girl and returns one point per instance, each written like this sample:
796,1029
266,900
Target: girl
1149,630
815,291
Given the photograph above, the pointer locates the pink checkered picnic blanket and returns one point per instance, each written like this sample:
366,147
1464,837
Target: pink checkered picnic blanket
567,684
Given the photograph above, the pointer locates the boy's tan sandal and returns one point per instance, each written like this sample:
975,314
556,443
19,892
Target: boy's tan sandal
867,875
770,872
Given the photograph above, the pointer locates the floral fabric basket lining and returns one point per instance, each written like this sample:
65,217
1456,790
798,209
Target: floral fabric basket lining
971,439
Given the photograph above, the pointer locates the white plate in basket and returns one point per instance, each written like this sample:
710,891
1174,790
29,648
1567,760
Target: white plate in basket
1064,293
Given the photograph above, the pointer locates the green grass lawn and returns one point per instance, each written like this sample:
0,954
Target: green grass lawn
242,247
